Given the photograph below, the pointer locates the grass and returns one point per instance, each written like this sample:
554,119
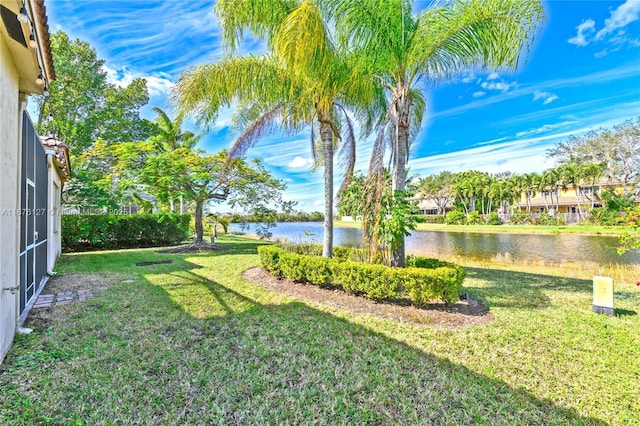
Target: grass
192,342
511,229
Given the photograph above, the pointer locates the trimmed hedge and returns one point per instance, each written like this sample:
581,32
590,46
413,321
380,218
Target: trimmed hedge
98,232
422,281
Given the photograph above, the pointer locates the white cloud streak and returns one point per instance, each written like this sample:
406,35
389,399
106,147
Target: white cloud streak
622,16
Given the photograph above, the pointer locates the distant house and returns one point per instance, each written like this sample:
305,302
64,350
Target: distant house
26,67
566,199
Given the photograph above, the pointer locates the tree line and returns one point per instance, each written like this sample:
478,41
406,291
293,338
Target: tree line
602,157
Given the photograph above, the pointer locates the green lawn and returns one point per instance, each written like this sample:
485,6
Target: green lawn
192,342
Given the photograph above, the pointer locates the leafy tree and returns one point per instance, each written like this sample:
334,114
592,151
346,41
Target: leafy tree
437,188
306,80
204,178
90,114
351,199
616,149
83,106
407,50
630,240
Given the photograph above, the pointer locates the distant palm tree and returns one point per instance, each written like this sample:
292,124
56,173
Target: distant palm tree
410,52
305,81
571,174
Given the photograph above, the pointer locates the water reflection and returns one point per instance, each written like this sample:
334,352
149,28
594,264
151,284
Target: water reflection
555,249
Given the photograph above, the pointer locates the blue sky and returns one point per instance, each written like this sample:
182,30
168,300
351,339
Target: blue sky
583,72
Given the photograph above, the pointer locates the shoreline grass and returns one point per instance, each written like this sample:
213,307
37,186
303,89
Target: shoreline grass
192,342
510,229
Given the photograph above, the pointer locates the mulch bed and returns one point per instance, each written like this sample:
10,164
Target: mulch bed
456,315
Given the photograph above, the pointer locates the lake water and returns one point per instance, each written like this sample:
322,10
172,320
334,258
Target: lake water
554,249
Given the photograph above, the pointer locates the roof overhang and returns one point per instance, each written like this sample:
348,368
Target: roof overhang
59,152
28,43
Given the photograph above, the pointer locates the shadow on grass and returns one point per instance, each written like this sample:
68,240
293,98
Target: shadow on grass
264,364
625,313
520,290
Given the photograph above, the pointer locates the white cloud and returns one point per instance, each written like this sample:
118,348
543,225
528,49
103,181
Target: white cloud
585,29
158,84
625,14
498,85
622,16
544,128
478,94
468,78
493,76
547,97
299,163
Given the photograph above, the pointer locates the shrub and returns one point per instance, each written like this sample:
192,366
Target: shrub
493,218
377,282
474,218
93,232
269,257
456,217
434,218
424,280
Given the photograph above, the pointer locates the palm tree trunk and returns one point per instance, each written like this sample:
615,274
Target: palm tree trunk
326,135
399,178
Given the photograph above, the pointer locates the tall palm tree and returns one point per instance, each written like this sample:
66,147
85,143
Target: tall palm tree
305,80
410,52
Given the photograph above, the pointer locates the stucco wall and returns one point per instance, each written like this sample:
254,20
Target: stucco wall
54,242
10,113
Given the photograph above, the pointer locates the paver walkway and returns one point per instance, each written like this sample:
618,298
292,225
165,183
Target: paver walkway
47,300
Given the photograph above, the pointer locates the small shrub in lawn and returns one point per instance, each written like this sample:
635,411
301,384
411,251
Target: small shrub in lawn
474,218
456,217
493,218
376,282
269,259
434,218
293,267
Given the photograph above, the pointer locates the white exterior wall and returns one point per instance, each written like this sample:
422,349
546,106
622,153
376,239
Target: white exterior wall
54,242
10,136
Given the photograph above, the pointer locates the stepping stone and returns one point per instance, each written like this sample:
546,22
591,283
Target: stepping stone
64,297
84,295
43,301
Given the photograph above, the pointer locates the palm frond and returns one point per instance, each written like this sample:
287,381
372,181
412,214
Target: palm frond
302,41
260,17
203,90
477,33
262,125
347,151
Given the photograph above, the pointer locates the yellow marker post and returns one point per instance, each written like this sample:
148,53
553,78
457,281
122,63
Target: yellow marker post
603,295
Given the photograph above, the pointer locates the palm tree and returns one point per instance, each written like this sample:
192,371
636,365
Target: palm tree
306,80
169,137
572,175
409,52
592,173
